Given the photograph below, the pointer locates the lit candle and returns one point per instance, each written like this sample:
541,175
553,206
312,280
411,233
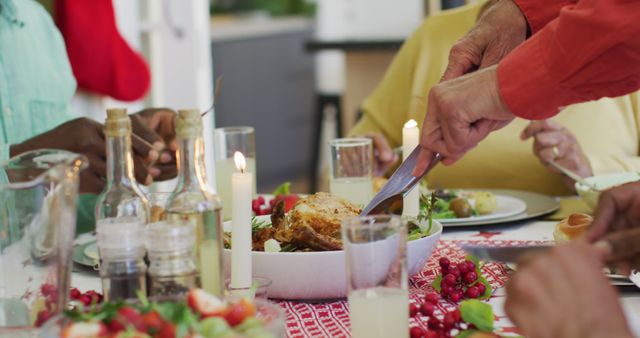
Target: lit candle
410,140
241,191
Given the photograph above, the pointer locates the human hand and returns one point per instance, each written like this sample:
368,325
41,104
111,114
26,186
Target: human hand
383,155
553,142
85,136
157,127
563,293
498,31
616,226
461,112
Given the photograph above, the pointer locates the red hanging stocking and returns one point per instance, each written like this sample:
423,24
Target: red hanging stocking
101,59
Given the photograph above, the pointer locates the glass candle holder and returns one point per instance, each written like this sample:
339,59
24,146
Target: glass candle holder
375,253
351,169
226,142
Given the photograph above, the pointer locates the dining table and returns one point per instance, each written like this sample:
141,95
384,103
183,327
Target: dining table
330,318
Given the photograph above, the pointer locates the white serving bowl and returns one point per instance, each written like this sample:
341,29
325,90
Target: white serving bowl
603,182
321,274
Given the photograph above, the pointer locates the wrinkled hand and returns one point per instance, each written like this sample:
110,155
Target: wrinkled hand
384,156
157,127
461,112
563,293
616,226
86,137
555,142
498,31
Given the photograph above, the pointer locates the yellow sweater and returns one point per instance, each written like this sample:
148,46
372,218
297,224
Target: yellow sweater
607,129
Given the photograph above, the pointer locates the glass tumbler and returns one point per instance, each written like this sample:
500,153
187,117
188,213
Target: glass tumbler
226,142
375,253
351,168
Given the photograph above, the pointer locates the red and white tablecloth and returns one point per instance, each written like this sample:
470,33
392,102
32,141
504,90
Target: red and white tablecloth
332,319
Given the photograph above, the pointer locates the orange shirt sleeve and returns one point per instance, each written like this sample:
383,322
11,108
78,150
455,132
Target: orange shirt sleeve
591,50
540,12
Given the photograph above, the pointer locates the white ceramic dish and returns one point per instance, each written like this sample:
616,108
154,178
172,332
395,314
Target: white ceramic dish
603,182
507,206
322,275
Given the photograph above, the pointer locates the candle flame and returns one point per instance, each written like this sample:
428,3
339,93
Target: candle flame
411,124
241,163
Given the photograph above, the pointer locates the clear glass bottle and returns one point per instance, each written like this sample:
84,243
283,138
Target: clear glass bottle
193,201
172,267
121,196
122,268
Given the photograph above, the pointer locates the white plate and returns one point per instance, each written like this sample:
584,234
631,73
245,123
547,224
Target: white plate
507,206
321,274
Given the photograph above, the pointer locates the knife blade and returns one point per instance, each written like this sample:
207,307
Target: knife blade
399,184
504,254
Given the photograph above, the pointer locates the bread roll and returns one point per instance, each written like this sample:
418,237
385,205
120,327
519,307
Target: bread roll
572,227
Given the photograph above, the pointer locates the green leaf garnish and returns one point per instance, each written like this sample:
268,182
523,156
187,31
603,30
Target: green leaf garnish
477,313
258,225
282,189
436,283
466,333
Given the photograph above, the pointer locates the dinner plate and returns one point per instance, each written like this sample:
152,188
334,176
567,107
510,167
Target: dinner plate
506,206
80,256
537,205
321,275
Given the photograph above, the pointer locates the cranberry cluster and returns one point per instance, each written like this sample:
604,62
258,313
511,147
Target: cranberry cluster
460,280
445,328
50,294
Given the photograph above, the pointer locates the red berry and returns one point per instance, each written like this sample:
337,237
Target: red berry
454,271
446,289
433,323
470,277
462,266
457,316
430,334
427,309
255,205
74,293
448,322
260,200
473,292
42,317
471,265
455,296
416,332
86,300
432,298
450,279
48,289
413,310
444,262
481,288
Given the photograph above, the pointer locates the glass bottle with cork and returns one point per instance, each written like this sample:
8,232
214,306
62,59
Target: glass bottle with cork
121,196
172,267
193,201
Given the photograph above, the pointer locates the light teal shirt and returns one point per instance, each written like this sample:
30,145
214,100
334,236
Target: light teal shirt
36,81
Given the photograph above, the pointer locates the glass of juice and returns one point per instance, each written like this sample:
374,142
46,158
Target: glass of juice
226,142
351,169
375,253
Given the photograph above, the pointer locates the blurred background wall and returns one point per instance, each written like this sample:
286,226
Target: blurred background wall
296,70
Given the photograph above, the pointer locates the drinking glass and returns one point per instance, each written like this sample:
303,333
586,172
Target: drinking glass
351,168
226,142
38,191
375,253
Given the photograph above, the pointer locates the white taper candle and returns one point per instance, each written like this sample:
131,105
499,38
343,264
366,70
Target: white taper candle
410,140
241,192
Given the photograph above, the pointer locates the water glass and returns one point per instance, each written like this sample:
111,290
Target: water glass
226,142
351,168
375,253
